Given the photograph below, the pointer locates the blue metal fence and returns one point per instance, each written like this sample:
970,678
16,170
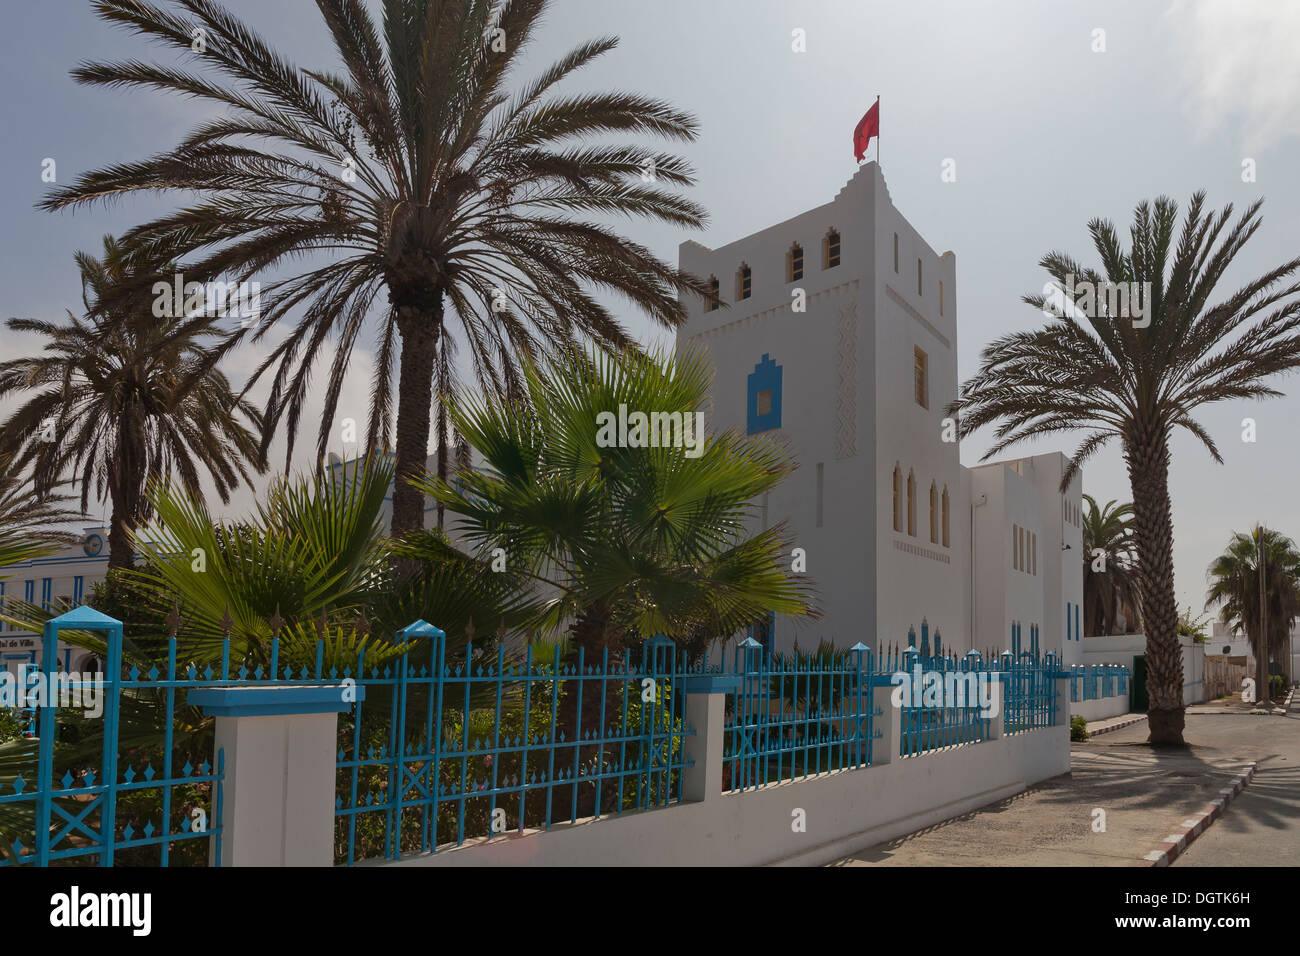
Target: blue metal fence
796,716
1098,681
82,799
454,741
441,752
957,716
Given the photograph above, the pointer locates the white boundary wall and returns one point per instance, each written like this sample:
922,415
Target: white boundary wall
1122,648
844,812
1102,708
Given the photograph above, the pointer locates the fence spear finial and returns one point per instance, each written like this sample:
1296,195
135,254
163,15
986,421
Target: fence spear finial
173,620
276,621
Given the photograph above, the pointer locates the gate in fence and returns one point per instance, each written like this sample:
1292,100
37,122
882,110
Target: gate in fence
80,799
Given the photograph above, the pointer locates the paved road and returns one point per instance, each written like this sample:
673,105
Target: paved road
1145,795
1262,825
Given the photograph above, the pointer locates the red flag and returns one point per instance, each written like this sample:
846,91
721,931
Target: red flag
867,127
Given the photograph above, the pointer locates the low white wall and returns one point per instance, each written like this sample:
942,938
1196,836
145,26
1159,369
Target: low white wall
1122,648
845,812
1100,709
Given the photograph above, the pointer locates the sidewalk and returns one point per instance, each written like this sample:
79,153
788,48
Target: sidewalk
1144,794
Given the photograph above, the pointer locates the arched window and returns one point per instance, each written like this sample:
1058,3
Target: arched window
831,250
713,300
898,497
934,513
744,282
911,503
945,516
794,263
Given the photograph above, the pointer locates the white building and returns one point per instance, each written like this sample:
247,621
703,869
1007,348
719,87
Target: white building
835,333
65,576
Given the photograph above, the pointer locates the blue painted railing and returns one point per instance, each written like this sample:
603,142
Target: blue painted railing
457,741
1098,681
795,717
88,801
925,729
442,751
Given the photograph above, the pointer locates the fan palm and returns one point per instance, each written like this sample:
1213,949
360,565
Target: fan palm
1235,587
1137,381
1109,568
124,397
413,173
630,541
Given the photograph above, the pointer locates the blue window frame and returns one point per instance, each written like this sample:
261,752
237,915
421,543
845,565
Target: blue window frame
763,401
78,588
47,586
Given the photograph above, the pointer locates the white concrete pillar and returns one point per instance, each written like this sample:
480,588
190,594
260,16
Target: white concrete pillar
998,699
706,697
887,728
280,745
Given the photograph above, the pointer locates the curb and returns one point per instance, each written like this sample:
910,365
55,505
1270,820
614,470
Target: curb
1169,849
1121,724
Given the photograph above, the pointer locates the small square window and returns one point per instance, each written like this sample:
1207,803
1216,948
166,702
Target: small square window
765,402
795,263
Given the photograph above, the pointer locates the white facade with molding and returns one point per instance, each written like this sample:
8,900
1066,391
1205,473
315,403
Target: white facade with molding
837,351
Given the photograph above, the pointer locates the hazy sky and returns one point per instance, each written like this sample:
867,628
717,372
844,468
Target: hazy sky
1046,132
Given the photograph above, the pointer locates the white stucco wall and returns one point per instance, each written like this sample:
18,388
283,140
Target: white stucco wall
845,812
849,405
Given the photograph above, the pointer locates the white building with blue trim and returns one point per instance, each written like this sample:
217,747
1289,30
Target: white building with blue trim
66,576
835,333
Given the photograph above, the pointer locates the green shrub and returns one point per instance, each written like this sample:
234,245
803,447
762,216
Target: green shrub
11,727
1078,728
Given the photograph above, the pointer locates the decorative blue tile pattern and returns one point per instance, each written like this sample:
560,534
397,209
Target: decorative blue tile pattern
764,382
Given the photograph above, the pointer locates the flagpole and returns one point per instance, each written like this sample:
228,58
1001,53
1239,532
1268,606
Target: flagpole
882,168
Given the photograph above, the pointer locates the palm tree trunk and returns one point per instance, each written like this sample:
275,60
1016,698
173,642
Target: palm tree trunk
125,488
419,330
1147,458
120,552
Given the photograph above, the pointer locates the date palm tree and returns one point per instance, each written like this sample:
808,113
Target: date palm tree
29,525
1235,588
122,397
423,172
1137,379
1109,578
